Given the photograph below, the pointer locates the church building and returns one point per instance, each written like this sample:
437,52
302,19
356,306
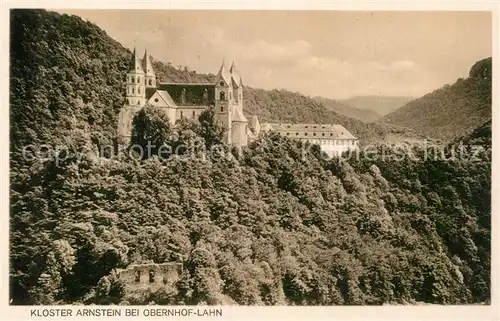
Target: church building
186,100
225,95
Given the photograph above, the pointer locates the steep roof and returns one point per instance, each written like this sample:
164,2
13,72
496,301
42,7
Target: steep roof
238,115
235,75
136,63
146,64
165,96
224,74
254,123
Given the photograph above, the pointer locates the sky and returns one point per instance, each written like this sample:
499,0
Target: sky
335,54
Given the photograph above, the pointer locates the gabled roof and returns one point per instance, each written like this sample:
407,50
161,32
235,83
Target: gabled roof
223,74
250,135
147,65
165,97
235,75
238,115
135,63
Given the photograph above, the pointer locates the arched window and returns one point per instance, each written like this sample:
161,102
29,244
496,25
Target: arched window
133,90
194,115
138,102
222,83
222,108
137,276
151,82
151,276
138,90
182,114
138,79
222,95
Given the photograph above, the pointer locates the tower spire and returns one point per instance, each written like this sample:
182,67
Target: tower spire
235,75
146,63
224,73
135,63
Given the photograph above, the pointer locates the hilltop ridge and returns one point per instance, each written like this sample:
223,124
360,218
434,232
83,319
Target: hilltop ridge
451,110
274,224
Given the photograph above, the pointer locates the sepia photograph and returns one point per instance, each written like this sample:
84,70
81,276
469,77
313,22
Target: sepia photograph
249,158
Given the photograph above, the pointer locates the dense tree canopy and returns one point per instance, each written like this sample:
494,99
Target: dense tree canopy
273,223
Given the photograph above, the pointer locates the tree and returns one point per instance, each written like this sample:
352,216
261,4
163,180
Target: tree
150,130
210,129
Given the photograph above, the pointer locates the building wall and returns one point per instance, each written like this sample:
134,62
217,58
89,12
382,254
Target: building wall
136,91
189,112
333,139
125,118
137,277
334,147
239,133
223,115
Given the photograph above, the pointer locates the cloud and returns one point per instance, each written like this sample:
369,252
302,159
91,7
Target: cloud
264,51
296,66
402,65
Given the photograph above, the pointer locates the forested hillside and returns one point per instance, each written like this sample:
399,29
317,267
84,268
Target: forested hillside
275,223
341,108
453,110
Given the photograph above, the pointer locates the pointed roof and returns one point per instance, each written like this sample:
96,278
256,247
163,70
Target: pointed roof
238,116
146,64
235,75
223,73
254,123
135,63
166,98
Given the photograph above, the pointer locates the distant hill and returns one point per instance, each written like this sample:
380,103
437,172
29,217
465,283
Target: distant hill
380,104
275,225
286,106
347,110
452,110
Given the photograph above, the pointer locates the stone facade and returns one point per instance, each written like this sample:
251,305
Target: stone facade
185,100
225,95
332,139
139,277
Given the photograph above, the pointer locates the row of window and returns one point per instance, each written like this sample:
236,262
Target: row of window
138,79
313,134
222,96
131,102
333,142
131,90
193,114
151,276
306,126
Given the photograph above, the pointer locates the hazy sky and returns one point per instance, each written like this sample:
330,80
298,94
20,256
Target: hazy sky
335,54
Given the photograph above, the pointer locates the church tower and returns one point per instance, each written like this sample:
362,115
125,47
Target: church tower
150,77
224,99
136,90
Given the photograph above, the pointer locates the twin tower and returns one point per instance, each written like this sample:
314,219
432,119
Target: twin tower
186,100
